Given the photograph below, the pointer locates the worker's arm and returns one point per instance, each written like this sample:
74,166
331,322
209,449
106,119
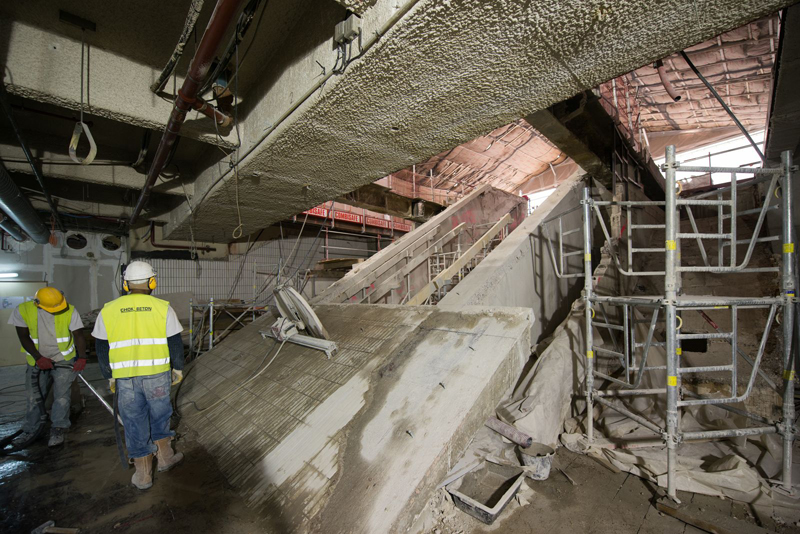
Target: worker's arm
80,346
80,343
101,347
25,340
175,344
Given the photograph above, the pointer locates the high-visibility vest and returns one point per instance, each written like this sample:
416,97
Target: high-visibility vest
66,343
136,326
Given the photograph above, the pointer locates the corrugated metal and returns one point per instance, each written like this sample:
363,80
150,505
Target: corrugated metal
215,278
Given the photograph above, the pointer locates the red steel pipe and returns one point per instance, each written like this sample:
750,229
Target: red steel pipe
212,113
221,18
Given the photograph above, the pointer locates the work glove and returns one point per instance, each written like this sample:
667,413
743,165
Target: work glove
177,377
79,365
112,385
45,364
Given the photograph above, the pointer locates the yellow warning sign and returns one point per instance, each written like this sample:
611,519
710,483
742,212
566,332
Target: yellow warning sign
672,381
671,245
788,248
590,354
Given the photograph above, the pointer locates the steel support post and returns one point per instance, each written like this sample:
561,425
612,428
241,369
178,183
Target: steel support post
587,294
191,327
671,294
788,290
211,323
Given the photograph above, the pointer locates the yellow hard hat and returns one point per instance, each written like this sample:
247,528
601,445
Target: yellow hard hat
50,299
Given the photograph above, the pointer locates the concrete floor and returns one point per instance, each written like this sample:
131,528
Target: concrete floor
83,485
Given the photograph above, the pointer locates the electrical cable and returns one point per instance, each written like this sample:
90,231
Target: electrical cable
243,384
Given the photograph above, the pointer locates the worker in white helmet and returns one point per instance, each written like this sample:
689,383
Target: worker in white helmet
140,351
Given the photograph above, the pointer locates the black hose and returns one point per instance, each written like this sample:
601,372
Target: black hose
188,29
43,416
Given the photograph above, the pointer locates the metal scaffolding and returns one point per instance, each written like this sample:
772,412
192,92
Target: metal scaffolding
667,309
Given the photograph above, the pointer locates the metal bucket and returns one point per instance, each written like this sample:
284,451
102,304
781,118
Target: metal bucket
538,457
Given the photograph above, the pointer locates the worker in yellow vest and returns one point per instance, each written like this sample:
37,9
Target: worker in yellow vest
48,329
139,348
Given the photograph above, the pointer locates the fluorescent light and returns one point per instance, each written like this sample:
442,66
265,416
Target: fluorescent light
9,275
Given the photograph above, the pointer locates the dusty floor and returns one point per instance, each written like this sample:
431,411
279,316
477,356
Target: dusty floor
83,485
602,501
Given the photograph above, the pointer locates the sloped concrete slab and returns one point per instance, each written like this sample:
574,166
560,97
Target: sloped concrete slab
358,442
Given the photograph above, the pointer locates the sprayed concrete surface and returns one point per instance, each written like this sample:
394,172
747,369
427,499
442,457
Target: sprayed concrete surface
446,73
356,443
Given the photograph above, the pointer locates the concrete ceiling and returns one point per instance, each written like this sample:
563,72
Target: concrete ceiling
425,76
737,63
442,75
506,158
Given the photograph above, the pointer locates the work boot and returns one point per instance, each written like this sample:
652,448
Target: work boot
167,458
23,439
56,437
143,477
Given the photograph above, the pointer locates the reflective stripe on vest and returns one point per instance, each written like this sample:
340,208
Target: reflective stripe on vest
136,327
30,314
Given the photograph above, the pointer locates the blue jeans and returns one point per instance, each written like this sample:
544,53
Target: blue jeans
145,408
61,379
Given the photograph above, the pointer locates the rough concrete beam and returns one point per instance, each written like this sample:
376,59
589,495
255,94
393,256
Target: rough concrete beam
45,67
382,200
557,132
357,6
442,75
783,132
90,192
582,128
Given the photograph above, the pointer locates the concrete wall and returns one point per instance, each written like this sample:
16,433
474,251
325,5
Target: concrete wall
519,272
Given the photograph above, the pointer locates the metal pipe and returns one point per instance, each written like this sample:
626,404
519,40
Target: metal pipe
191,326
19,208
211,323
100,398
504,429
629,414
731,433
788,291
662,75
34,168
722,102
587,294
671,286
222,119
220,20
174,247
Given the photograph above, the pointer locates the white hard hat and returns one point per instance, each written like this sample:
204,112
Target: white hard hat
138,271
